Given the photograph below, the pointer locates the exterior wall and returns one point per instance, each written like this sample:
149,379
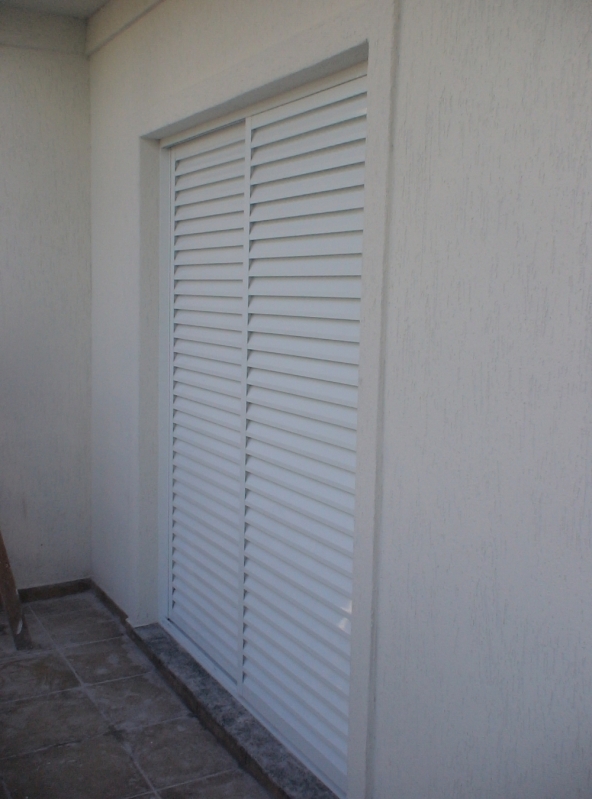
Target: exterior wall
484,680
44,297
481,626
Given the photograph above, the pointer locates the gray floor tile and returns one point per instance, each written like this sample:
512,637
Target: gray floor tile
107,660
66,604
81,626
29,724
95,769
33,676
230,785
137,701
178,751
41,641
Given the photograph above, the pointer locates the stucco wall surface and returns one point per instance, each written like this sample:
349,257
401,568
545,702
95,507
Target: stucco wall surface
484,644
152,74
44,297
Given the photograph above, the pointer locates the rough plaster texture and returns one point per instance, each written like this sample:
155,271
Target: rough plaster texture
484,655
44,299
151,65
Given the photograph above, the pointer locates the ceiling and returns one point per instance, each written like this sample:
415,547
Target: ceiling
73,8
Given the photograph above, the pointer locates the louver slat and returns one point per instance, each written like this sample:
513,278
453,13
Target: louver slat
207,502
305,245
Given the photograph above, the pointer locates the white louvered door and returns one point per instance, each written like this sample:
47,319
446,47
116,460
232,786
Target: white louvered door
267,307
207,387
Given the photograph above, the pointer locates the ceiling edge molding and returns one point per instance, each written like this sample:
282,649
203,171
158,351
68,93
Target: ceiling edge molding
112,19
34,30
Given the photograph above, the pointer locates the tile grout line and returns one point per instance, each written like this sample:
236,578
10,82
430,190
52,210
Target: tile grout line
111,726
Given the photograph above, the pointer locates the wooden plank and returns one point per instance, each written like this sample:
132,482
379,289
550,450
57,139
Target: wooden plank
12,603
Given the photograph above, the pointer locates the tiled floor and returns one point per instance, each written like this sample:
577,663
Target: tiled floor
86,716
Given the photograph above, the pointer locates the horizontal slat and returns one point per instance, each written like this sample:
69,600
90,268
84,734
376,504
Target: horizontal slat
205,474
191,528
218,272
187,328
286,708
208,443
322,432
311,307
310,113
202,241
213,140
199,349
209,288
303,406
216,573
212,306
328,329
309,447
327,202
343,178
345,221
318,549
213,191
231,371
211,502
332,648
347,396
204,160
349,265
329,159
214,174
209,318
259,647
321,472
320,287
331,244
317,349
216,430
229,221
298,501
307,367
209,208
275,511
330,764
219,255
313,616
301,568
318,139
203,636
204,522
232,421
220,385
297,693
321,492
322,664
212,398
215,464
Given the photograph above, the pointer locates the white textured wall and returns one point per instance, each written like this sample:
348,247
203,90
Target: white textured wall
152,74
44,297
484,667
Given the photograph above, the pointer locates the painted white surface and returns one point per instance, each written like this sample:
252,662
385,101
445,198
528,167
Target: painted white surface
78,9
484,659
44,299
152,74
28,29
112,18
